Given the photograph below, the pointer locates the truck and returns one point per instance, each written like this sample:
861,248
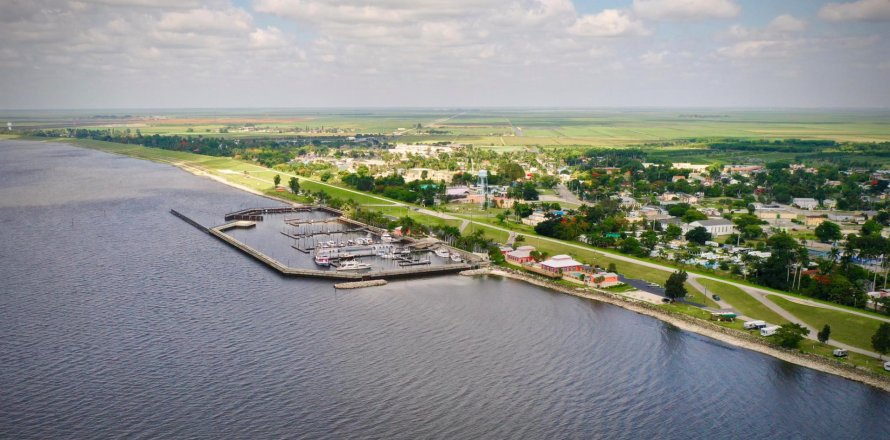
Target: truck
839,352
769,331
754,325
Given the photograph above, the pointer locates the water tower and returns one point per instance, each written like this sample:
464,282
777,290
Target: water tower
483,184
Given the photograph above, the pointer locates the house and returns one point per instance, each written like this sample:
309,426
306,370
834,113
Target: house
520,255
561,263
805,203
457,192
605,279
679,197
715,226
534,219
775,215
840,217
505,249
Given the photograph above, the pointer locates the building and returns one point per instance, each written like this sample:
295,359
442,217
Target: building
689,166
715,226
679,197
520,255
814,220
805,203
609,279
561,263
434,175
534,219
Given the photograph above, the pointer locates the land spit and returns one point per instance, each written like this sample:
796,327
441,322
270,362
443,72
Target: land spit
701,327
248,218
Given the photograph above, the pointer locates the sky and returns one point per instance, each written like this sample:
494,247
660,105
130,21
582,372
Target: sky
444,53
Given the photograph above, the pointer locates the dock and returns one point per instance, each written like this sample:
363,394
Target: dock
416,268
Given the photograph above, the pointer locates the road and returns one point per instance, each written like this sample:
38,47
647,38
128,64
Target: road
567,195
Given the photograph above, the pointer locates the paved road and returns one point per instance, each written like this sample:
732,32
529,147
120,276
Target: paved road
567,195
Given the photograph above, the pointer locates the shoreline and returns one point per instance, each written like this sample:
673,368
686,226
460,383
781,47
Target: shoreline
707,329
683,322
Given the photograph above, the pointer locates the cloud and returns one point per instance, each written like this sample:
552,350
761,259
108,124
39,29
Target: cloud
685,10
860,10
778,39
608,23
787,23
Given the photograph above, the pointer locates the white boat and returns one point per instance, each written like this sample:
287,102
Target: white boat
322,260
456,258
353,265
442,252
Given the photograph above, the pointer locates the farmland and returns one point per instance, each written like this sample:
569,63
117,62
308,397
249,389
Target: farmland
674,131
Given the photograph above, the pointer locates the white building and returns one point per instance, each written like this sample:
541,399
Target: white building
805,203
534,219
714,226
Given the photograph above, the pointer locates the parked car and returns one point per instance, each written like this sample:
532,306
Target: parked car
839,352
716,297
667,300
887,365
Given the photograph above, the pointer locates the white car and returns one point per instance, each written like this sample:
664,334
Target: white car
887,365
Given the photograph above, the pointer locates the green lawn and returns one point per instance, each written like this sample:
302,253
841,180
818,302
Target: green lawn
847,328
742,302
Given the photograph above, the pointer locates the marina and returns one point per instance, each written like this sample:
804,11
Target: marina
320,242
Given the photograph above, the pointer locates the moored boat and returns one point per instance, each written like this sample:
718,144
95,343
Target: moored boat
353,265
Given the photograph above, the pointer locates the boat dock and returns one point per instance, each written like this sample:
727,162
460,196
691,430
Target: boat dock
413,268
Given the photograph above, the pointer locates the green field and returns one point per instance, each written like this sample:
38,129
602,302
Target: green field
742,302
505,129
847,328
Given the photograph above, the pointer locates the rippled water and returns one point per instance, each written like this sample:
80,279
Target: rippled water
119,320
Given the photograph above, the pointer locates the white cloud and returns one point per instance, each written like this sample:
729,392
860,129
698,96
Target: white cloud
608,23
787,23
654,58
685,10
860,10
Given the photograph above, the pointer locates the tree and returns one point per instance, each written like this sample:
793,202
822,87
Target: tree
294,185
519,239
825,334
612,268
790,335
698,235
881,339
672,232
827,232
871,227
631,246
277,179
501,216
675,286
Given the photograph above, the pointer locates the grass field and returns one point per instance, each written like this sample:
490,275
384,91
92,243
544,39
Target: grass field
742,302
847,328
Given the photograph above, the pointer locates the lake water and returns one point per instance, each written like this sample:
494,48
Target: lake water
118,319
